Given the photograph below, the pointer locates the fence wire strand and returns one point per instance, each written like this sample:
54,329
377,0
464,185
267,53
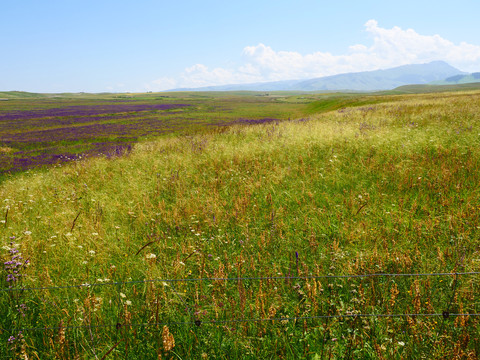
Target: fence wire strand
197,322
242,320
214,322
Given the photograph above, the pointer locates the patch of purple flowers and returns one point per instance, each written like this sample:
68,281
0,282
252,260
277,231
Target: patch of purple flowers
86,110
39,137
17,345
14,266
14,269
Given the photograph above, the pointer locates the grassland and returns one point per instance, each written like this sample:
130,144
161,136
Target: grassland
348,186
38,130
421,89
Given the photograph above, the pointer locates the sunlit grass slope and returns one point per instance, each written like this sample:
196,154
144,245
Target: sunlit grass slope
384,188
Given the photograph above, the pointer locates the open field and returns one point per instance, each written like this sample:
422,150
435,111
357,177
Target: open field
230,241
38,130
46,130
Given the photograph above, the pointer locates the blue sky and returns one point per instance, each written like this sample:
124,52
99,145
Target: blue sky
147,45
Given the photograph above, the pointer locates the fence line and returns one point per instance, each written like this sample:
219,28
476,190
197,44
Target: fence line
88,285
198,322
201,322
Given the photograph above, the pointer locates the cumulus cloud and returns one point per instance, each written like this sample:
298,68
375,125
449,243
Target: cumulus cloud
200,75
390,47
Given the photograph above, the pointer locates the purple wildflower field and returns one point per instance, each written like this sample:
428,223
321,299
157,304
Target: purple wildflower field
34,135
83,110
39,137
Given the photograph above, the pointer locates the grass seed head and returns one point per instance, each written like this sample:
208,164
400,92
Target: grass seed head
167,339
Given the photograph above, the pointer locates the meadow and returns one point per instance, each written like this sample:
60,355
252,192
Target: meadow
39,131
241,226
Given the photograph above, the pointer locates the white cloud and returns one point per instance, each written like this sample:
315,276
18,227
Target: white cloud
390,47
200,75
395,46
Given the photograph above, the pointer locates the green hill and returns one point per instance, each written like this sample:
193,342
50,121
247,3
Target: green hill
430,88
459,79
5,95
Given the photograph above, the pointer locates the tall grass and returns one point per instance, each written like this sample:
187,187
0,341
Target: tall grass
384,188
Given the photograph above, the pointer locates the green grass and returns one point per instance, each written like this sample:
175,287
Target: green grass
421,89
341,101
387,187
19,95
97,135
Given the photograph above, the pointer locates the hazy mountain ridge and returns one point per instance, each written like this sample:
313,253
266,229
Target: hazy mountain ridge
459,79
359,81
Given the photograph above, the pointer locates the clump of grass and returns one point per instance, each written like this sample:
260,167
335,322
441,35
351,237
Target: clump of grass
383,188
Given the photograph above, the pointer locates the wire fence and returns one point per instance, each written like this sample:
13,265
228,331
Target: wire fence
197,322
217,322
57,317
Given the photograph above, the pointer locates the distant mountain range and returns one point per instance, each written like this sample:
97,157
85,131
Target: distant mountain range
437,72
459,79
